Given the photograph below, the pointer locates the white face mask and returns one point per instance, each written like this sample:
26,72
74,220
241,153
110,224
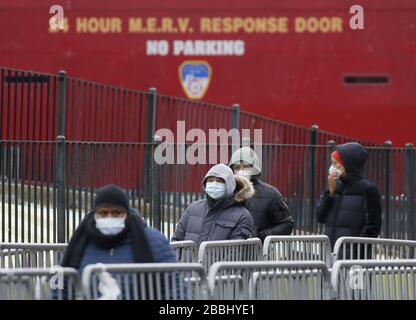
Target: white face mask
243,173
336,171
110,226
215,190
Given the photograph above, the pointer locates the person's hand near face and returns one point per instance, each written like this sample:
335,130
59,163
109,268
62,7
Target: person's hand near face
335,172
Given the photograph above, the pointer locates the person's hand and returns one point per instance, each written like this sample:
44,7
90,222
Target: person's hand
332,182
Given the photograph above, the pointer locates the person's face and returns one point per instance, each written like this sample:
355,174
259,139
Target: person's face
337,165
215,179
241,166
110,212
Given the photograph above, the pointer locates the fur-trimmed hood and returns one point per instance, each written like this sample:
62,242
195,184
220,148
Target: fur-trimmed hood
237,186
244,189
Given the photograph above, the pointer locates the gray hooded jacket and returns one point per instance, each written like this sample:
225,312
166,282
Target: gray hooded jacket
224,219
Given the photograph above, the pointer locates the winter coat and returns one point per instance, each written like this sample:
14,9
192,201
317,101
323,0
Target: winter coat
225,219
355,208
270,211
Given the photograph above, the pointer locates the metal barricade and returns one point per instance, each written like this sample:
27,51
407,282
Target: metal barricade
149,281
374,280
269,280
40,284
298,248
31,255
358,248
186,251
229,250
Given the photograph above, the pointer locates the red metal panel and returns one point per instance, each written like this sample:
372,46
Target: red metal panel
293,76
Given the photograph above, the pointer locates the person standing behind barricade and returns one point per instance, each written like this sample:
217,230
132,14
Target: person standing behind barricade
351,205
115,233
221,215
269,209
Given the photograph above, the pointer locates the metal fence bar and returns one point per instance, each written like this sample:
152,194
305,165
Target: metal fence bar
298,248
60,186
314,130
229,250
374,280
356,248
269,280
149,135
39,284
30,169
410,189
37,106
186,251
387,188
29,255
149,281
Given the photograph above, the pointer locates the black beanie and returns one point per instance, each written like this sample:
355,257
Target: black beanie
111,196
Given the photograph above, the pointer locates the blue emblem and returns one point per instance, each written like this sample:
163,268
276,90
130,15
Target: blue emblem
195,77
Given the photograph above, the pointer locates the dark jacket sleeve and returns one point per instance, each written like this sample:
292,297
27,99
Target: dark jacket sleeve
372,216
244,227
279,215
181,227
162,252
323,206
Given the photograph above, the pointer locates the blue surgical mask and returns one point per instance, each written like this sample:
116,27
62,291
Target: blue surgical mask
215,190
110,226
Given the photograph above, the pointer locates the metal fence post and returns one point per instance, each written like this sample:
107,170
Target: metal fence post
410,189
235,116
149,132
61,103
235,124
60,158
332,147
155,186
387,146
312,177
60,187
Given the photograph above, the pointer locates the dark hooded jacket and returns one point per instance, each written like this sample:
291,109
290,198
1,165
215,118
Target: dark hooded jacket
224,219
355,208
270,211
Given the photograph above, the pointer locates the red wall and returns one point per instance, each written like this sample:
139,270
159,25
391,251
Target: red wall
296,77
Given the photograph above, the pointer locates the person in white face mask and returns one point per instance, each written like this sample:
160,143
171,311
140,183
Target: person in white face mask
115,233
221,215
336,171
350,206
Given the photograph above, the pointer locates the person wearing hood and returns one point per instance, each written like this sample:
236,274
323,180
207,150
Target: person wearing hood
221,215
115,233
269,209
351,205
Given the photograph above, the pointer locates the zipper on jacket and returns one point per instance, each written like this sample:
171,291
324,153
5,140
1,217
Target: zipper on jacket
111,252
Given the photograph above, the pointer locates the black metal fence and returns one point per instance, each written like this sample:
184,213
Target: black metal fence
62,138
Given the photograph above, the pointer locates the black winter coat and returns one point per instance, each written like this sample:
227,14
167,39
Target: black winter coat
355,208
270,211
